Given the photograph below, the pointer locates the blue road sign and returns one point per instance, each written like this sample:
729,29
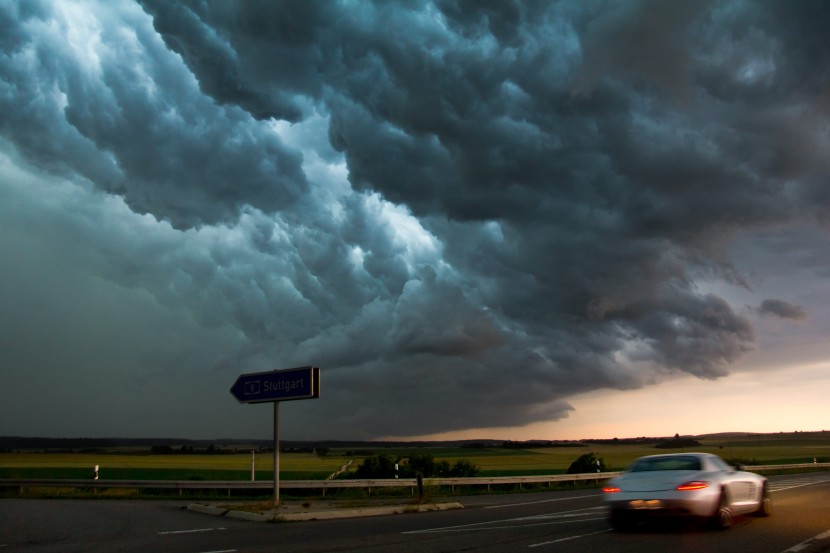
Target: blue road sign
284,385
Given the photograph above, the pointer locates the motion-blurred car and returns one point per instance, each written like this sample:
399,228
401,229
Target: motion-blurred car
697,485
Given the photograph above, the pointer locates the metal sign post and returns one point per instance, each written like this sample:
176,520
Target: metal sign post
274,387
276,454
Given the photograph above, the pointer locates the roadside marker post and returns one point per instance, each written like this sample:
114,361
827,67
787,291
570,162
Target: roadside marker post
275,387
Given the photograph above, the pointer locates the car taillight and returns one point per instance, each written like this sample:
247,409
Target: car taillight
610,489
694,485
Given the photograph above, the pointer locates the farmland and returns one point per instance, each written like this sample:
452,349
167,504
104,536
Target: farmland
749,449
745,449
114,466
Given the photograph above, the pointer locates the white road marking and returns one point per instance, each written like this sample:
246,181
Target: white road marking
792,483
805,544
565,514
221,551
502,527
195,530
516,522
568,538
541,501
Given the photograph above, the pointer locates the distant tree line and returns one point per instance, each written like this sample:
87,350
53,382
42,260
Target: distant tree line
538,444
678,442
319,451
211,449
624,441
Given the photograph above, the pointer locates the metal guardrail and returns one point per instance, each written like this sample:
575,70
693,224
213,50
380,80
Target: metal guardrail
191,485
785,467
367,484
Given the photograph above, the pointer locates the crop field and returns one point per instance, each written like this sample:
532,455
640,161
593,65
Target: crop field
491,461
117,466
751,449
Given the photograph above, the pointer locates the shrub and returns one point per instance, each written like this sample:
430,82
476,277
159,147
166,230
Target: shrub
378,466
587,462
463,469
420,464
383,466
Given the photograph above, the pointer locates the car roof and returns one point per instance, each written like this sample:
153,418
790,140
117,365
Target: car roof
689,453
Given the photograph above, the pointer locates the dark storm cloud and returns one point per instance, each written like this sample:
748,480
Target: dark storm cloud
536,192
783,309
130,119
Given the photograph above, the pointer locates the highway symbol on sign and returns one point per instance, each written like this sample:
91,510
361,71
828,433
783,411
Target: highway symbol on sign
281,385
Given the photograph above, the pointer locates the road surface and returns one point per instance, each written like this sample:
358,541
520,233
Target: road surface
568,522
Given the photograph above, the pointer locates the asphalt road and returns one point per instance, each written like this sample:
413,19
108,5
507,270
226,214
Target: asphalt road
538,522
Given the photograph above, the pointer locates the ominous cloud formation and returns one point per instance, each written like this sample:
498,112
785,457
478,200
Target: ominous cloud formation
464,212
782,309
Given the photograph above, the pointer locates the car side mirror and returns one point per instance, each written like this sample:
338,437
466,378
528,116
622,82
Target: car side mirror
738,467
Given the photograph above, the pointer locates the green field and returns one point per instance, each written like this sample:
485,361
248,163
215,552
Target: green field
767,450
491,461
126,466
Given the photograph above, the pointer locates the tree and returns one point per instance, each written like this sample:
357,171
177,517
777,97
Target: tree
420,464
428,467
587,462
378,466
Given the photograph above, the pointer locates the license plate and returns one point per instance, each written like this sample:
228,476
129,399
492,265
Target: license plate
646,504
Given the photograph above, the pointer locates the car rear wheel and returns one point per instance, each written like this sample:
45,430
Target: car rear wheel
722,519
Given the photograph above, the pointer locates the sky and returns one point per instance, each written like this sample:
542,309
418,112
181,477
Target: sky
507,220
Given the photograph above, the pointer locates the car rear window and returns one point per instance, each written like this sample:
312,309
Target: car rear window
666,463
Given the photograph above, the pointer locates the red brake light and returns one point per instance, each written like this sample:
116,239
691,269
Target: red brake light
694,485
610,489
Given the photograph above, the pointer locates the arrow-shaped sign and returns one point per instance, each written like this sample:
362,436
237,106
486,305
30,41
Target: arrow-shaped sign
281,385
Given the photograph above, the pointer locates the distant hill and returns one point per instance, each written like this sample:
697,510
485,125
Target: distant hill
18,442
721,435
8,443
12,443
80,444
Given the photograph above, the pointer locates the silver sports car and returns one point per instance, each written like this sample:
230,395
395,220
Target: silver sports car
684,485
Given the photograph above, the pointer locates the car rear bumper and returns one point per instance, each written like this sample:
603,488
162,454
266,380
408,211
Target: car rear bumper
648,505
